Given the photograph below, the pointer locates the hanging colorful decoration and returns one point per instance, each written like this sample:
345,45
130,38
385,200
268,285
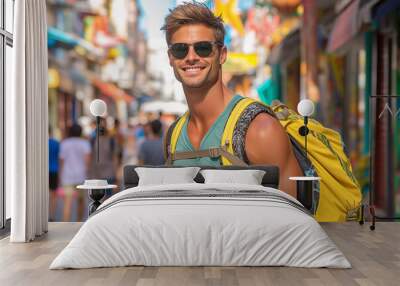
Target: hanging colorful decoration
53,78
286,5
227,10
262,23
228,37
245,5
240,63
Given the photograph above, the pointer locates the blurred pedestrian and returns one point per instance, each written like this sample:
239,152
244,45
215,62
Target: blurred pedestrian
54,150
140,134
130,151
74,161
151,150
105,168
119,137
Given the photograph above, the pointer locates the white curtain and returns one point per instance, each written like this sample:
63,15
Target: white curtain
27,123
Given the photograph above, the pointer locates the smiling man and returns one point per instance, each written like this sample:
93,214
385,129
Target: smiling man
196,51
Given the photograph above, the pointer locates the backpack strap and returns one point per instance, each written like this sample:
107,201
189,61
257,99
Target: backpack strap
167,140
280,109
238,123
227,135
211,152
171,138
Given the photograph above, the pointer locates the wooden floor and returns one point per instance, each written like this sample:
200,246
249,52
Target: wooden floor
375,256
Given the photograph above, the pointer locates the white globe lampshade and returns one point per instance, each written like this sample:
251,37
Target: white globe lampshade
305,107
98,107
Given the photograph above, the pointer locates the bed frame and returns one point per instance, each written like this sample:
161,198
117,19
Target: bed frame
270,179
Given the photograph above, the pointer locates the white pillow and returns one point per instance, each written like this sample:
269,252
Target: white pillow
248,177
164,176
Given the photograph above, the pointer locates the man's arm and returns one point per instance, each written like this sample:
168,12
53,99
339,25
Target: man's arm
268,144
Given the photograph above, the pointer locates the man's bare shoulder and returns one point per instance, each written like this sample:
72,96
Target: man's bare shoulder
264,126
267,143
266,138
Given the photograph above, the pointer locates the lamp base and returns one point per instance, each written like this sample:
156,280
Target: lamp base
303,130
305,190
95,195
304,193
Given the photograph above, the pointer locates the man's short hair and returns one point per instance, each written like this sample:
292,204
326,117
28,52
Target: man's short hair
193,13
156,127
75,130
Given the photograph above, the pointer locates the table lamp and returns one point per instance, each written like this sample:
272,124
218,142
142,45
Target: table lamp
96,187
305,109
305,184
98,108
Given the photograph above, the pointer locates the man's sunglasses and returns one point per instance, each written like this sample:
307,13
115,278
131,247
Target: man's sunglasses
202,49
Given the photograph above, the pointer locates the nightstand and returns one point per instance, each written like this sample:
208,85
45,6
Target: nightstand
96,191
305,190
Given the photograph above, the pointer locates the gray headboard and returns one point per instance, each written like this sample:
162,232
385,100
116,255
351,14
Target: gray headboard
270,179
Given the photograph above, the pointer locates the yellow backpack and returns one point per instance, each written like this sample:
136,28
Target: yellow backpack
339,197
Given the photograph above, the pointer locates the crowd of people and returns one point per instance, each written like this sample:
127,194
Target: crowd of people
77,157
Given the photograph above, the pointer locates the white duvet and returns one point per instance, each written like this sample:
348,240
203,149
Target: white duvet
183,231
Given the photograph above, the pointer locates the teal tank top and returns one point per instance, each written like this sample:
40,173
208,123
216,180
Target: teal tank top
212,139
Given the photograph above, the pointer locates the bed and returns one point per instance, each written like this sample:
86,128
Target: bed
201,224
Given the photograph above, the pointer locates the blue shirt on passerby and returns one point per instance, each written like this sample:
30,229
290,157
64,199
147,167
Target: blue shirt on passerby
139,133
54,150
151,152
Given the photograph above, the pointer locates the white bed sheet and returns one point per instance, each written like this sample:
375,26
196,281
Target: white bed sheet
200,232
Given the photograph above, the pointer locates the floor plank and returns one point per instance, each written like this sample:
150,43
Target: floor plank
374,255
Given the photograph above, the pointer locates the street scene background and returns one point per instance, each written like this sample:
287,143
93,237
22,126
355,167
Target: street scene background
343,55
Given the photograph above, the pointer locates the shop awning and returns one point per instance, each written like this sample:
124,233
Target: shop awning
111,90
55,35
350,21
345,27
